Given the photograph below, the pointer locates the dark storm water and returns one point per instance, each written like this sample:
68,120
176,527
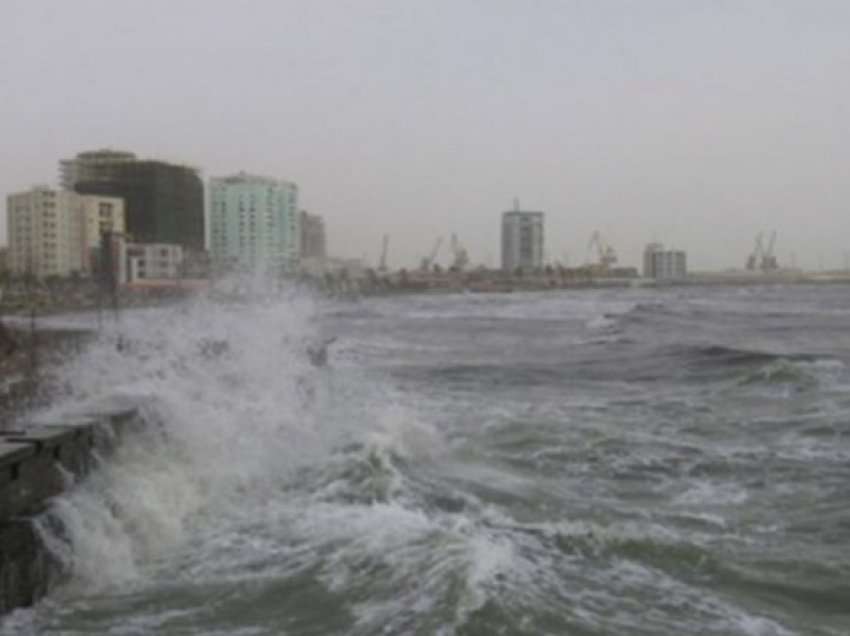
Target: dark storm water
588,463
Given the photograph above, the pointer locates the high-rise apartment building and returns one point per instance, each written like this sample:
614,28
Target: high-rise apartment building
100,215
662,264
57,232
649,253
254,224
522,239
313,241
93,165
164,202
671,265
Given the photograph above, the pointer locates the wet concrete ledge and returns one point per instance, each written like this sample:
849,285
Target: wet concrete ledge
36,464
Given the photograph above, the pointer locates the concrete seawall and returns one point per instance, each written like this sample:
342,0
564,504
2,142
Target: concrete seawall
36,464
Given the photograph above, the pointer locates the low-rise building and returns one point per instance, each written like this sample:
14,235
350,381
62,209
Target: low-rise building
131,263
153,261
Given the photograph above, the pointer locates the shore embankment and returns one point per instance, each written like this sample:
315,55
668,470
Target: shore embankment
551,279
39,459
38,463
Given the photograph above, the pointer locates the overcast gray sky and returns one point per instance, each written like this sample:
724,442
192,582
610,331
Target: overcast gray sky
697,123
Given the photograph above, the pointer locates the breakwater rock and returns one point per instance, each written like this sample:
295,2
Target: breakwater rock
36,464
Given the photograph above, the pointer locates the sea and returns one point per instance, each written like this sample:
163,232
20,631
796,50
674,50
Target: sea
650,462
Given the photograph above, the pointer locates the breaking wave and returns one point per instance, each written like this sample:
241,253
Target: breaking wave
553,474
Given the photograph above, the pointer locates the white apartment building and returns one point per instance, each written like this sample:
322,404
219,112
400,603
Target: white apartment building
53,232
133,263
100,215
153,261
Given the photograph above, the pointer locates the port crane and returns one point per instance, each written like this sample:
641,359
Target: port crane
605,254
762,256
768,260
754,259
461,257
429,260
385,245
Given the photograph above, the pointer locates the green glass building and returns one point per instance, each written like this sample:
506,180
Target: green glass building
254,224
164,202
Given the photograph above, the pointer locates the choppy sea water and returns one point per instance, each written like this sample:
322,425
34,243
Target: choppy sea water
583,463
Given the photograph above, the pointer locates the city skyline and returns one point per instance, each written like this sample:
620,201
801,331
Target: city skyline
695,125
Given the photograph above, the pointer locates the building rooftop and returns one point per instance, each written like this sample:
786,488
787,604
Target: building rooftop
523,213
106,154
248,178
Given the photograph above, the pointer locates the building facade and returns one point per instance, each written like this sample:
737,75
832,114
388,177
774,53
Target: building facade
671,265
91,166
57,232
313,240
134,263
254,224
649,253
164,202
522,240
99,216
662,264
152,261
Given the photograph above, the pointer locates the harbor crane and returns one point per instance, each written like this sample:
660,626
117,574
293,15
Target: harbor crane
428,261
768,261
461,257
754,259
605,254
762,257
385,245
